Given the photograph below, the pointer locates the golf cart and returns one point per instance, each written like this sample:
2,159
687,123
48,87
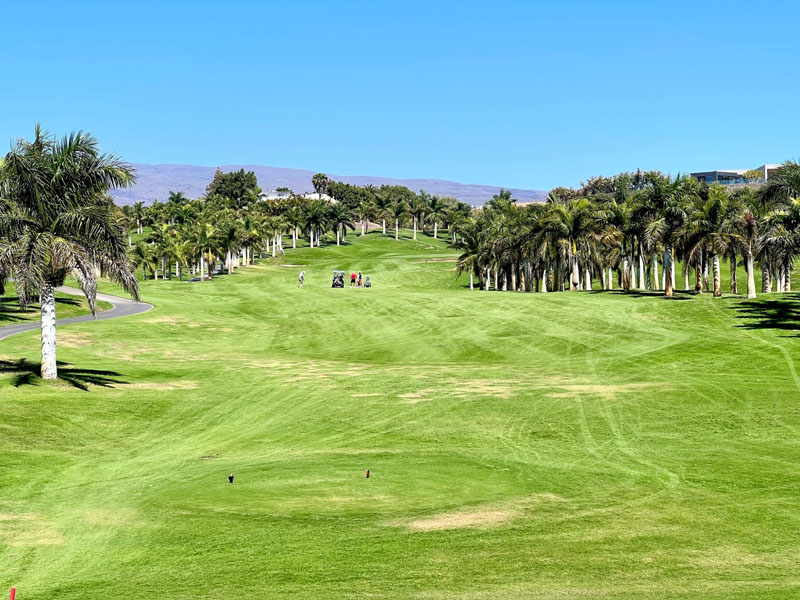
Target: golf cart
338,279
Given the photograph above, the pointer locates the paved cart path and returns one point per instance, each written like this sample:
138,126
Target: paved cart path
120,307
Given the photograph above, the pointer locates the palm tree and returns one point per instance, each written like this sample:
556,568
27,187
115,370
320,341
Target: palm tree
364,212
417,207
571,223
320,182
340,216
397,211
139,213
436,212
383,203
55,222
710,225
668,199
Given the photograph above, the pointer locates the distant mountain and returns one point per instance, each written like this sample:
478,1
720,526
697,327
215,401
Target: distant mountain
156,181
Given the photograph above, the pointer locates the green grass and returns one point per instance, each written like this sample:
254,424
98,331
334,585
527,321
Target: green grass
66,306
590,445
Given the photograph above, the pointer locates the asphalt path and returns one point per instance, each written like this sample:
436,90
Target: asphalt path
120,307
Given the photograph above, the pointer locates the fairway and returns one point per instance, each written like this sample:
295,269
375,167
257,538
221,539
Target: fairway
521,445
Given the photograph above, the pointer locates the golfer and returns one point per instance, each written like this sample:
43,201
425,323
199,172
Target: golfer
301,277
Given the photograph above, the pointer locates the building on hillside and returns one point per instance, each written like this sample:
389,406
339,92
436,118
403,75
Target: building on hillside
735,176
286,194
276,195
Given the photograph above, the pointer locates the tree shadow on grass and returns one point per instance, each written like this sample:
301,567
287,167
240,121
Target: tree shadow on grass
676,294
782,313
27,373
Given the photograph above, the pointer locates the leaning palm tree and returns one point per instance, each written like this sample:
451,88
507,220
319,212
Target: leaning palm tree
54,222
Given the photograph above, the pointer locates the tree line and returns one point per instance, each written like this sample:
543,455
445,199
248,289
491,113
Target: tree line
232,222
631,230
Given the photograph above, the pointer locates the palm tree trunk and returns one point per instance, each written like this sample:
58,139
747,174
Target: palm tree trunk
626,275
787,273
274,246
396,229
610,278
415,230
642,284
544,280
766,283
435,230
49,368
513,277
201,266
633,273
471,286
732,262
686,275
495,279
751,276
310,238
588,276
337,235
669,269
603,278
698,277
716,274
294,236
705,271
384,226
488,279
655,283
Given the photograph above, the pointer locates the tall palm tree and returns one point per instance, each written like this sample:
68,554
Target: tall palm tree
341,218
397,211
436,212
320,182
55,222
139,213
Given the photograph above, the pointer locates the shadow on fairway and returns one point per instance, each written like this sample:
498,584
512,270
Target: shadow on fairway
677,295
775,313
27,373
10,310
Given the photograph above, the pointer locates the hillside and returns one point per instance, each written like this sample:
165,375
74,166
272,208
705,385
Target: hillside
565,445
156,181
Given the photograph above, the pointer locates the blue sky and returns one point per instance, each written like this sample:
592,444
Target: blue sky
520,94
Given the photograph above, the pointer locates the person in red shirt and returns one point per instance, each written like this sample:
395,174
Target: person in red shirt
352,279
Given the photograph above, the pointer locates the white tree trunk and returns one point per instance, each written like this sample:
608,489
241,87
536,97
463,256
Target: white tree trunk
751,276
294,237
717,283
655,273
435,230
488,279
471,286
337,235
603,278
610,278
396,229
274,246
49,368
384,226
588,283
544,281
201,266
642,284
415,227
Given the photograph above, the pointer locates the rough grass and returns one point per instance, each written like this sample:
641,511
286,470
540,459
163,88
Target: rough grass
520,446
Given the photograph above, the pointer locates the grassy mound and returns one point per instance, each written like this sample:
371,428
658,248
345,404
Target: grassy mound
590,445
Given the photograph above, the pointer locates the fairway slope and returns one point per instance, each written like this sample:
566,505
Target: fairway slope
569,445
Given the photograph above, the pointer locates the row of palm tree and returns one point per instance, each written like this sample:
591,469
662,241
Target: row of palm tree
209,234
633,229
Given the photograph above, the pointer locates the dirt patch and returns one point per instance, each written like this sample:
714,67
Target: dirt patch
492,515
28,530
460,520
109,517
367,395
164,387
415,397
70,339
604,391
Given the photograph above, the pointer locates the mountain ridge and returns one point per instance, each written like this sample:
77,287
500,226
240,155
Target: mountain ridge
157,180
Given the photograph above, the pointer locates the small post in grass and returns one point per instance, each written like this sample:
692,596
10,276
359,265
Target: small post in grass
13,593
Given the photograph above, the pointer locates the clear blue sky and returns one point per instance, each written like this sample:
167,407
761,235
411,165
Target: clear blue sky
521,94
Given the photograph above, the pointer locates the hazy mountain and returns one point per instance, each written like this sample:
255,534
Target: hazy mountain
156,181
